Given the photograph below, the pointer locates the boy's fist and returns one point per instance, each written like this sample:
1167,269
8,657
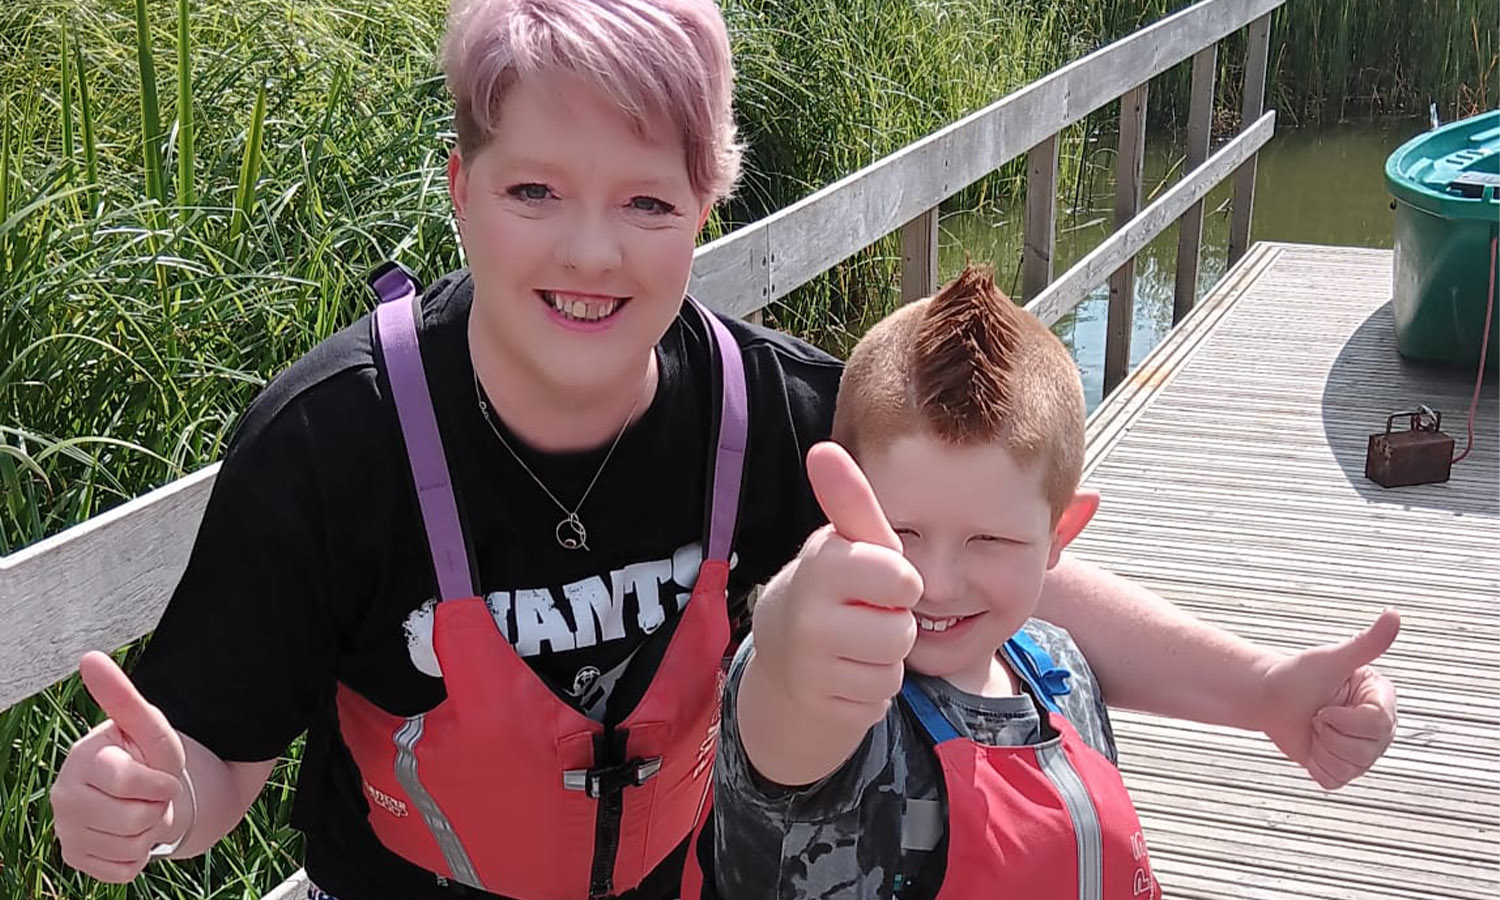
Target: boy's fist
833,628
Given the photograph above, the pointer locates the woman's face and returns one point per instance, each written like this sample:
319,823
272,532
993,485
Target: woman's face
579,232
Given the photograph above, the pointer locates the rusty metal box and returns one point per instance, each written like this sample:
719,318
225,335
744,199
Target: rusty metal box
1422,454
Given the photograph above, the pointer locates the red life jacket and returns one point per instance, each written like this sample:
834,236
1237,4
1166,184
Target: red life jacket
1045,822
503,786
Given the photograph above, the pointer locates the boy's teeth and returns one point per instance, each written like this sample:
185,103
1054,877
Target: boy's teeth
927,624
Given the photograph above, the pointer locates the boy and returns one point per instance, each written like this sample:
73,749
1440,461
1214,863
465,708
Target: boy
992,770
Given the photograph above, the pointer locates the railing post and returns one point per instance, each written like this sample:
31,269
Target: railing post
1200,129
1130,156
1256,53
1040,233
919,256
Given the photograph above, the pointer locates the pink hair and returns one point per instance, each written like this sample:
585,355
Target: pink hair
658,59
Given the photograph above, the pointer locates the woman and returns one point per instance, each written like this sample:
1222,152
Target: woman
508,676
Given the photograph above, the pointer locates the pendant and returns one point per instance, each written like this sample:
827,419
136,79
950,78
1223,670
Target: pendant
571,533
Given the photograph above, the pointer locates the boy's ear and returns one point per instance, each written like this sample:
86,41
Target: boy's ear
1072,521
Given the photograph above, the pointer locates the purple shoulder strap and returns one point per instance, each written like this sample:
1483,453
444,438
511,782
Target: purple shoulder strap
729,458
396,327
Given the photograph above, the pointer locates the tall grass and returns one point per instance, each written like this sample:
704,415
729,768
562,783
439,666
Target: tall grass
829,86
190,194
185,206
1336,58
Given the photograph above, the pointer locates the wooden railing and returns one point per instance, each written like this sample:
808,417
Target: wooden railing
105,582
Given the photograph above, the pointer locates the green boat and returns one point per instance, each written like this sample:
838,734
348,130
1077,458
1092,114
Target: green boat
1446,184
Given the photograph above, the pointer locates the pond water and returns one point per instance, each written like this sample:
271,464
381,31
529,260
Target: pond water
1322,185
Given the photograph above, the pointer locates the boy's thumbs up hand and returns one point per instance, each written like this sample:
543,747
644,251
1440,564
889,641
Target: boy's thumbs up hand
114,796
847,498
833,628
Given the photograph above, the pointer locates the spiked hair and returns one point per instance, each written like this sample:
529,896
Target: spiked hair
967,366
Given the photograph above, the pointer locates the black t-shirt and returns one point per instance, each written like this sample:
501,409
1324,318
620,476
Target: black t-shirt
311,565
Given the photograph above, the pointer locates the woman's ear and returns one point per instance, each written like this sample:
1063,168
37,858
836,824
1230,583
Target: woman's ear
458,184
1071,523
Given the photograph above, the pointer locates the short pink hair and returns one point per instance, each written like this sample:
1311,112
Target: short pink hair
658,59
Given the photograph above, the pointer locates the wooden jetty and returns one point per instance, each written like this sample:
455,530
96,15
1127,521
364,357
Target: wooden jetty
1232,468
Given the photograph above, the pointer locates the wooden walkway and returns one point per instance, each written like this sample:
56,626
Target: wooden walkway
1231,464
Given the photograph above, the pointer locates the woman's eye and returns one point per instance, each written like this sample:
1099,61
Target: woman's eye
531,192
651,205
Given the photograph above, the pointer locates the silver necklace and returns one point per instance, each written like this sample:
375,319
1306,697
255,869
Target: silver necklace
570,533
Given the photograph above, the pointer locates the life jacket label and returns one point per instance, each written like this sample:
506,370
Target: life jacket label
385,801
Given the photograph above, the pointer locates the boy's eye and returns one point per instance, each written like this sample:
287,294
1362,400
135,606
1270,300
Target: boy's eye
530,192
994,540
647,204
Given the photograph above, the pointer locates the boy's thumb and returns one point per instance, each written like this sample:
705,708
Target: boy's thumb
144,724
847,498
1363,648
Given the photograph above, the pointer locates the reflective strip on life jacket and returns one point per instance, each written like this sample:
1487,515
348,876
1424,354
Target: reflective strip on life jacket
1034,665
442,830
1085,818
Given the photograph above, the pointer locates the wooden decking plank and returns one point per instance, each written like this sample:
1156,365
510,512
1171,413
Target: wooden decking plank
1424,743
1231,465
1254,807
1245,581
1391,866
1461,803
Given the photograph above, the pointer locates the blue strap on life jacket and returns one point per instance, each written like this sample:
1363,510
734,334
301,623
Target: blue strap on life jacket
1047,679
1034,665
933,722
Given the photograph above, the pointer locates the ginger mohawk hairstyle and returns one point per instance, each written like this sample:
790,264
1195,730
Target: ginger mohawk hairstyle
967,366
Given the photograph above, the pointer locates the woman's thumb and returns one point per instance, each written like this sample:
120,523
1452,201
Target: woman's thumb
144,724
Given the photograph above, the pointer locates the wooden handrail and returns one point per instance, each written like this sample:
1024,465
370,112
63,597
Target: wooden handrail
768,259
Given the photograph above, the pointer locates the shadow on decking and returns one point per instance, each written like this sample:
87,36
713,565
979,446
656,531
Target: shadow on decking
1369,381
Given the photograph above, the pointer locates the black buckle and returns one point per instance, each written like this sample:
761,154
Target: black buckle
385,269
604,780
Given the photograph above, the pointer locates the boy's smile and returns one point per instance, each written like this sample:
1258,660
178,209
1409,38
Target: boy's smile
942,625
979,528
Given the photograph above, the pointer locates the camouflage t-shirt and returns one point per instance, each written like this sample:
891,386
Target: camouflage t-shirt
873,829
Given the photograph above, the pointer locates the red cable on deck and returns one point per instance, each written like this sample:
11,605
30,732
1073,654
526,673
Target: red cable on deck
1484,346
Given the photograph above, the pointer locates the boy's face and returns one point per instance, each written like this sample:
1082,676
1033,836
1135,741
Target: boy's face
578,230
978,527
